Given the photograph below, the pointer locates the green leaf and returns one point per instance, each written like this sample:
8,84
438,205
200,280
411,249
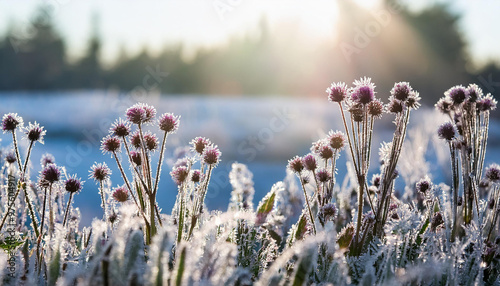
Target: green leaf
303,268
55,268
267,203
180,267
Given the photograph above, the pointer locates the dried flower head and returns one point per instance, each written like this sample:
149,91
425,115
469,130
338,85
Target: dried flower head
446,131
413,101
211,155
327,213
100,172
47,159
487,103
34,132
376,108
120,194
474,92
363,91
73,184
51,173
325,152
493,173
401,90
120,128
395,106
323,176
457,94
196,176
179,174
199,144
310,162
444,105
296,165
135,139
136,157
110,144
151,141
141,113
424,185
336,139
10,157
337,92
169,122
11,121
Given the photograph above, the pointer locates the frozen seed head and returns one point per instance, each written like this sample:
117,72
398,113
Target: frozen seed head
169,122
110,144
11,121
34,132
47,159
493,173
363,91
136,157
73,184
444,105
401,90
10,157
199,144
100,172
487,103
150,141
424,185
395,106
457,94
141,113
179,174
413,101
310,162
196,176
323,176
474,92
337,92
446,131
135,139
376,108
211,155
120,128
336,139
296,165
51,173
120,194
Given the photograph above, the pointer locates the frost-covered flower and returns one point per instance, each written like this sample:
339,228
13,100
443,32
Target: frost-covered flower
444,105
110,144
376,108
120,128
493,173
401,90
211,155
135,139
296,165
363,91
337,92
141,113
196,176
457,94
120,194
10,157
487,103
395,106
168,122
199,144
424,185
474,92
446,131
336,139
34,132
51,173
151,141
179,174
73,184
11,121
327,212
136,157
413,101
47,159
100,172
323,176
310,162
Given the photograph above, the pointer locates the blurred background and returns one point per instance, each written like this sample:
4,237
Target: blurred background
250,75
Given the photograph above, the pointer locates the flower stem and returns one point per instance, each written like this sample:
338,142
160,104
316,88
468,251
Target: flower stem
311,217
67,209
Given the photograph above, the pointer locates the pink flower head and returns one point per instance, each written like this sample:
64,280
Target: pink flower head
73,184
179,174
363,91
120,194
211,155
296,165
337,92
141,113
120,128
100,172
11,121
169,122
110,144
199,144
34,132
310,162
151,141
401,90
336,139
51,173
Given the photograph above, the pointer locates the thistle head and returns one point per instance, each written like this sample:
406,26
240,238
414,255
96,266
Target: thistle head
376,108
47,159
100,172
413,101
337,92
136,157
424,185
199,144
401,90
151,141
446,131
11,121
323,176
196,176
325,152
363,91
296,165
135,139
51,173
211,155
444,105
395,106
310,162
336,139
73,184
10,157
474,92
493,173
327,212
141,113
120,194
457,94
120,128
110,144
169,122
179,174
34,132
487,103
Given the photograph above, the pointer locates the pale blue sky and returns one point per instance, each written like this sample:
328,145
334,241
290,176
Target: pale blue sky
154,23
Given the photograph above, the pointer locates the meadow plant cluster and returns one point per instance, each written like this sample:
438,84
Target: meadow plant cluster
307,230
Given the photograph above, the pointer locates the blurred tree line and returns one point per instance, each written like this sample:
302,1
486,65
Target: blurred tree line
390,44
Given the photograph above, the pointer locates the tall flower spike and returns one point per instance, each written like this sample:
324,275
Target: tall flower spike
337,92
100,172
168,122
11,121
34,132
363,91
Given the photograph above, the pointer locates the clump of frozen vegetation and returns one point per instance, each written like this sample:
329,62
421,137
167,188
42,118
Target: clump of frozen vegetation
310,228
